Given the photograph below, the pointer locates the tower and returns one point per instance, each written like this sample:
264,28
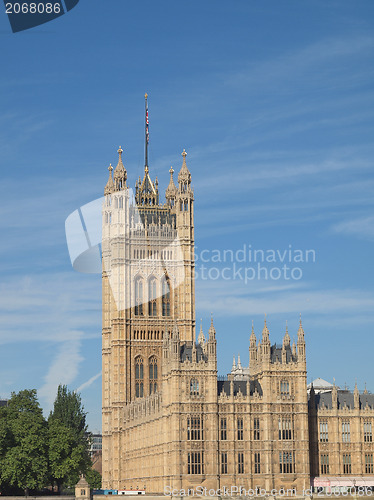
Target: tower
147,283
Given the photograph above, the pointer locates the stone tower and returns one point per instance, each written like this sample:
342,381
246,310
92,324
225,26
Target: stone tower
147,284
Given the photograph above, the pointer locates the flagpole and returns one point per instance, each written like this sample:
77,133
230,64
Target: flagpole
146,131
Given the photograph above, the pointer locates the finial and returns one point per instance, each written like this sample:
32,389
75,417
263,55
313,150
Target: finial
184,154
253,329
110,168
171,171
146,169
120,151
265,320
146,95
300,320
286,325
211,318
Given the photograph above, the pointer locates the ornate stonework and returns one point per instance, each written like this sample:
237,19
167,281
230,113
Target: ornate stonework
168,420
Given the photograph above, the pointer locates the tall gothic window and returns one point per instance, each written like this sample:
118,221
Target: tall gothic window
284,388
224,463
325,468
284,428
257,463
138,297
153,375
368,436
347,463
286,462
346,432
194,387
195,431
152,305
256,429
368,463
139,377
240,463
195,463
323,432
223,429
165,297
240,429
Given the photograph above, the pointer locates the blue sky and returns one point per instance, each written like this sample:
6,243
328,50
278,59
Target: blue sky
273,102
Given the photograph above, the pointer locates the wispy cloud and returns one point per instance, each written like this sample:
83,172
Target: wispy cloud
50,307
89,382
319,64
362,227
63,370
237,299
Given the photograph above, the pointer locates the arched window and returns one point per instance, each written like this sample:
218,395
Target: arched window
153,375
152,309
165,296
139,377
138,297
194,387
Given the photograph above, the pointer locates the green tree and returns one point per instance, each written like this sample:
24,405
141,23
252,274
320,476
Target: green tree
23,443
68,438
93,478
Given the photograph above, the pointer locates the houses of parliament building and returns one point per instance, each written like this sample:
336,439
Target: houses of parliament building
168,419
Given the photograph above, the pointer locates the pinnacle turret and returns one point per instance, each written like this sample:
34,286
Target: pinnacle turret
184,175
286,338
171,190
201,337
233,368
119,174
109,188
252,338
300,331
212,330
265,333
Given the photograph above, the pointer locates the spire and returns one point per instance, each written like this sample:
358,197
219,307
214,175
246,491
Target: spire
171,190
239,363
300,342
184,176
334,395
356,396
252,338
293,348
212,331
201,338
300,331
265,332
120,174
233,368
109,185
286,338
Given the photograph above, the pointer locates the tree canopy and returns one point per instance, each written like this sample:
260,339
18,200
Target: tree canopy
23,447
35,453
68,438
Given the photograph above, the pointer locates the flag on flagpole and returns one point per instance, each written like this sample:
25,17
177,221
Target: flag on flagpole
147,125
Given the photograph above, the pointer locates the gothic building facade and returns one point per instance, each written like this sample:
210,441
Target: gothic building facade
168,419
